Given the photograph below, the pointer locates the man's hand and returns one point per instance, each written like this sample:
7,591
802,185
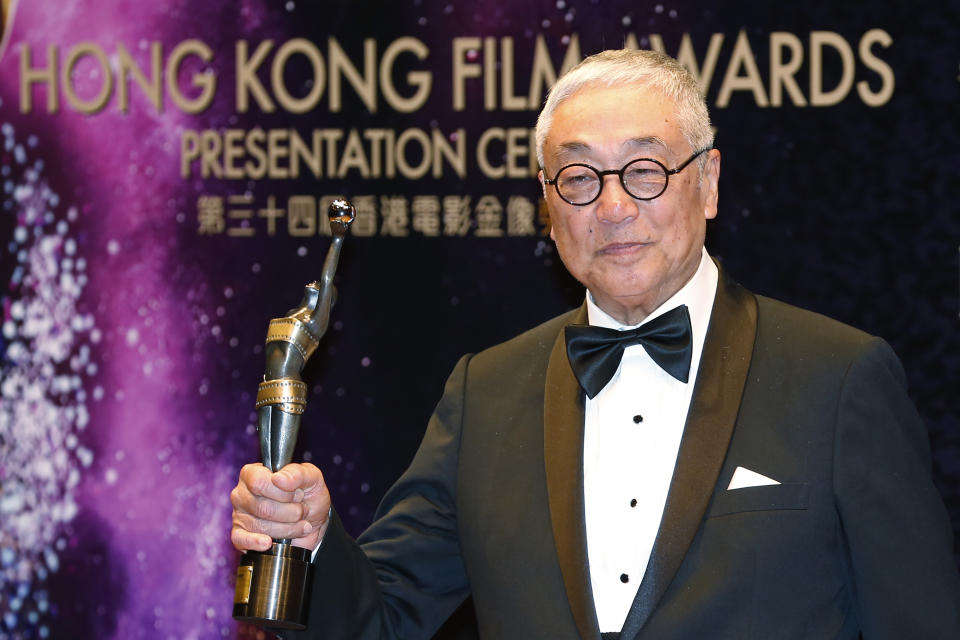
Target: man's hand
291,503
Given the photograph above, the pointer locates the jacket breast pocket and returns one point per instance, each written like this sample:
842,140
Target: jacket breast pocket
788,496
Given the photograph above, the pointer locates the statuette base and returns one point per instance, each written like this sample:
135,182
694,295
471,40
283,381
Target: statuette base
273,587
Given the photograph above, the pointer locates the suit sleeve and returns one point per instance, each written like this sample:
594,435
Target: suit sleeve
404,576
897,530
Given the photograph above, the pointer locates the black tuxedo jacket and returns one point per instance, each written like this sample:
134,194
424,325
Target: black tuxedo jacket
855,538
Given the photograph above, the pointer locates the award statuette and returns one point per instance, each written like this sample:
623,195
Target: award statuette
273,587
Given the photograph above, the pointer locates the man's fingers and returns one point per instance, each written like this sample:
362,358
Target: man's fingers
303,476
293,503
245,502
244,540
258,480
247,534
271,529
279,511
316,508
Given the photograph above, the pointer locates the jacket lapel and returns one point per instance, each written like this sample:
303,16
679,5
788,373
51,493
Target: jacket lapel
563,459
713,412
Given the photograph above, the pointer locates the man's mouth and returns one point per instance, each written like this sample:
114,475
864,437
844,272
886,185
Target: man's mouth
622,248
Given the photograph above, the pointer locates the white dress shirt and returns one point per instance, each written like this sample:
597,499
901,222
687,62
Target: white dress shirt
632,435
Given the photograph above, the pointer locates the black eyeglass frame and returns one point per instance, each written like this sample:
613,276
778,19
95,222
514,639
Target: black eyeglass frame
619,173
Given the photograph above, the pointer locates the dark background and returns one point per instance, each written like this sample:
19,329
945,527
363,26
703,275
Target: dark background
848,210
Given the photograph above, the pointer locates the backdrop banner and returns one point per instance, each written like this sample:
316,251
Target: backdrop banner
166,168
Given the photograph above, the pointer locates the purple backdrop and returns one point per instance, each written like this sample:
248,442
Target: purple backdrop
139,289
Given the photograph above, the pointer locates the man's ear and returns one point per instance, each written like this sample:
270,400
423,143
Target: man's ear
710,184
543,190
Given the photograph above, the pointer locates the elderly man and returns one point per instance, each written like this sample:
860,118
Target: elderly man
678,458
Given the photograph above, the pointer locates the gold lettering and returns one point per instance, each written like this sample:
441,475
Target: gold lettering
542,75
153,89
189,151
422,80
490,171
489,73
457,157
247,80
287,101
340,65
353,156
254,144
818,40
742,57
232,150
781,73
210,148
463,70
510,101
276,150
882,69
205,81
516,149
299,150
406,170
106,87
30,77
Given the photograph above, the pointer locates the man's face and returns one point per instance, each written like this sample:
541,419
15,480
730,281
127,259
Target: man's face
631,254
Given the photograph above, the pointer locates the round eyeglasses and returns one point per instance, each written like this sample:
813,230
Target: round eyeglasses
643,179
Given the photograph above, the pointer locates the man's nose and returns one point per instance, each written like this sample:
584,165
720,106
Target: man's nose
614,204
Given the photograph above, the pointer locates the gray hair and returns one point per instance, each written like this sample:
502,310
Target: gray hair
635,66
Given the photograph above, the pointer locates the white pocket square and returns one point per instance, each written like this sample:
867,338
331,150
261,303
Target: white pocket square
743,478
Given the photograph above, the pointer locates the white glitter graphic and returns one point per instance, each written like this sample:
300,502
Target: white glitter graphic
45,355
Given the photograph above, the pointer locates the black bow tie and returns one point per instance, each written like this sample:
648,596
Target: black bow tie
595,352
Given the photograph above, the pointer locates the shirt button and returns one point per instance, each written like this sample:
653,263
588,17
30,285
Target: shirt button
637,419
624,578
633,502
